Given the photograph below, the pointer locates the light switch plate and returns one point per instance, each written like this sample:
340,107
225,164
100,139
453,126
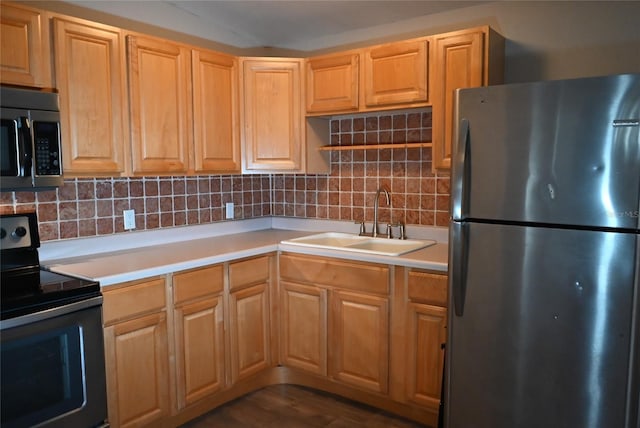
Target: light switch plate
229,208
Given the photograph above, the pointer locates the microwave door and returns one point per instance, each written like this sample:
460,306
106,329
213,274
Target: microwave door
17,152
10,149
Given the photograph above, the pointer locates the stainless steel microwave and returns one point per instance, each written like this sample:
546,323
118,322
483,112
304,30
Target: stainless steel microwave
31,158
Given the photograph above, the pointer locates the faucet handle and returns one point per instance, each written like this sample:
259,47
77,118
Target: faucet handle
389,230
363,230
403,232
400,226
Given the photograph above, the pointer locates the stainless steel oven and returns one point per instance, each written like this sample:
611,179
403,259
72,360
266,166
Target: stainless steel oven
52,350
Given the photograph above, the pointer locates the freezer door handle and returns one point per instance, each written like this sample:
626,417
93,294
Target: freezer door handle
459,258
460,173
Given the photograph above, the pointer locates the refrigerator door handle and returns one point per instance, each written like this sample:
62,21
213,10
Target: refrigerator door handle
459,259
460,173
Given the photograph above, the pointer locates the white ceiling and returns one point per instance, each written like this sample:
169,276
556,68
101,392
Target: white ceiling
285,24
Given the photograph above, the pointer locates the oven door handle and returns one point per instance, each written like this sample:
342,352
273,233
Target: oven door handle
50,313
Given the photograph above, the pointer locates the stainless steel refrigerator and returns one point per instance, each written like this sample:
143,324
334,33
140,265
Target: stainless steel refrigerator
545,255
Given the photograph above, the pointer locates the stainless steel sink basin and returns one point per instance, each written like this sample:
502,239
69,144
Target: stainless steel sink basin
360,244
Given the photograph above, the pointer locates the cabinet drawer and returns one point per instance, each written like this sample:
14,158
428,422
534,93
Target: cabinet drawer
132,299
197,283
367,277
428,287
247,272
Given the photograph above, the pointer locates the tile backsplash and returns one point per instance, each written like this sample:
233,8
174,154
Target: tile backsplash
93,206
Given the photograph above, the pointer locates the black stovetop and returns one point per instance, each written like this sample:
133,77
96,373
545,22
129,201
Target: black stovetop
34,290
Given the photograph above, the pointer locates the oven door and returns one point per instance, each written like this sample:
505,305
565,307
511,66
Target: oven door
53,371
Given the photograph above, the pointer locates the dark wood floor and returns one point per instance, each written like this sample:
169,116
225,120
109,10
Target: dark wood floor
289,406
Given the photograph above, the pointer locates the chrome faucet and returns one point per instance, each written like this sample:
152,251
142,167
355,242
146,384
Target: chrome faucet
375,209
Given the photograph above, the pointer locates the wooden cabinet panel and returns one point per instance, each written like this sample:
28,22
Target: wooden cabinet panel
425,357
272,136
137,371
428,288
359,340
25,57
132,299
197,283
215,112
248,272
367,277
459,64
199,331
396,73
332,83
159,90
304,327
249,328
90,77
461,59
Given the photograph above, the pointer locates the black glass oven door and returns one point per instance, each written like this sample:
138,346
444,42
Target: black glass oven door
53,372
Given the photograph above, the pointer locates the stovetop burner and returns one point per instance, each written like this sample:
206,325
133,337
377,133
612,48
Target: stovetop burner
25,287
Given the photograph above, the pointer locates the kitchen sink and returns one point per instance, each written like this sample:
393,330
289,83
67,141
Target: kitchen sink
360,244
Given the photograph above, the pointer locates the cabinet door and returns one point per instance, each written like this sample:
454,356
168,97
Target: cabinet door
215,112
199,350
137,371
304,327
249,328
90,78
332,83
396,73
458,63
159,85
25,57
272,138
359,340
426,328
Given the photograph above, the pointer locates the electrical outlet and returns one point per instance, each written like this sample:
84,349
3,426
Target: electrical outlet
129,219
229,208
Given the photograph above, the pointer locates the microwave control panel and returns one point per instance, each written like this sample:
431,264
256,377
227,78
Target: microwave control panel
47,148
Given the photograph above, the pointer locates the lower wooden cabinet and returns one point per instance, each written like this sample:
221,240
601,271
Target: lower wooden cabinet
250,312
199,333
330,325
303,315
249,330
181,344
359,340
137,353
426,333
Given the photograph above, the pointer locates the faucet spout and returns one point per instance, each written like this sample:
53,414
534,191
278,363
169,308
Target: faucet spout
375,209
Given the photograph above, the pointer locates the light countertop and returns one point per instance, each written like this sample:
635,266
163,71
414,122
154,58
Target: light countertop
158,258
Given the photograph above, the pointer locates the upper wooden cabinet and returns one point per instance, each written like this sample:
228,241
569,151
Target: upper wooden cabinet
90,77
461,59
332,83
396,73
216,125
382,77
160,105
25,54
272,137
